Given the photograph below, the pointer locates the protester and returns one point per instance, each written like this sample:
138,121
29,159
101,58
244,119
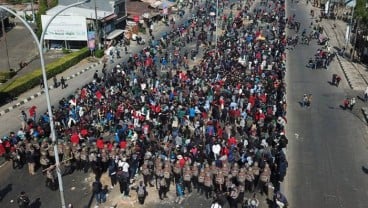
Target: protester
217,126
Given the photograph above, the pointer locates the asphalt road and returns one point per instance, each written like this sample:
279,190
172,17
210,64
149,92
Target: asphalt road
327,145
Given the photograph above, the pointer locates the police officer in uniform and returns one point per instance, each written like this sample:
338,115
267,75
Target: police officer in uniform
225,169
50,178
208,182
158,172
241,190
44,160
167,174
60,147
147,173
219,181
162,191
241,175
84,159
67,159
200,185
256,172
77,157
187,178
104,159
51,152
233,196
249,178
235,170
195,173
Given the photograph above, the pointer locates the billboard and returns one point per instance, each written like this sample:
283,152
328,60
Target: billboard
91,40
65,28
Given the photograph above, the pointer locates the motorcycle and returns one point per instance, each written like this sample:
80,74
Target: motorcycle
323,41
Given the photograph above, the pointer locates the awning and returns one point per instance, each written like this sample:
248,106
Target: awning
114,34
350,3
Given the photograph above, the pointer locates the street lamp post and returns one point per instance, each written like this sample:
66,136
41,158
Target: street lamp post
216,22
39,44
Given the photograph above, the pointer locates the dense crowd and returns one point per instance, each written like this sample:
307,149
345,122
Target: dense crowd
217,128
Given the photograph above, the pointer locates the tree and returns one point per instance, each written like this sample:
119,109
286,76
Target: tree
361,11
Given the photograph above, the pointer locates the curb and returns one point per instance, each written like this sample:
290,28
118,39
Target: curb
365,113
345,74
26,100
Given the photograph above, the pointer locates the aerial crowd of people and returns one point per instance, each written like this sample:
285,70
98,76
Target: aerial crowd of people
216,129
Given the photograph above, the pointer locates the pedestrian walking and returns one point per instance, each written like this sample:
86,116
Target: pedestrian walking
31,161
366,95
32,112
346,103
23,119
42,84
141,192
56,85
280,200
352,103
63,82
338,79
97,190
305,100
309,103
162,191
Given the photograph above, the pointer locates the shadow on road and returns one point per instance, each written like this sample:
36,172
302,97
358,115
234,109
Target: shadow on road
365,170
36,203
90,201
5,191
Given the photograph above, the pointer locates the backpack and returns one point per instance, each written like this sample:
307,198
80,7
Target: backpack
141,192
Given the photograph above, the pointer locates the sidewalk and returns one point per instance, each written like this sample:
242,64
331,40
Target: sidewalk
355,73
90,63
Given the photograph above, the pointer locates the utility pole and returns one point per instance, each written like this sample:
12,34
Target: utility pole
217,5
33,12
4,35
97,28
355,39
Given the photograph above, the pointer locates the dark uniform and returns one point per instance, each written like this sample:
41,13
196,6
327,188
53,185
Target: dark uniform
200,184
187,178
162,191
147,172
167,174
208,185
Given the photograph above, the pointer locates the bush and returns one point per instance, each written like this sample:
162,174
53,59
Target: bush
7,75
31,79
99,53
66,51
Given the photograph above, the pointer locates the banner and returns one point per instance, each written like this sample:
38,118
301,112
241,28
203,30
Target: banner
65,28
91,35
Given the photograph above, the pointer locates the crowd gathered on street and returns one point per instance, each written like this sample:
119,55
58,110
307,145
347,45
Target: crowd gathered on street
217,129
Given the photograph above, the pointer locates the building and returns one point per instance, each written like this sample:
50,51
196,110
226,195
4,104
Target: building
102,17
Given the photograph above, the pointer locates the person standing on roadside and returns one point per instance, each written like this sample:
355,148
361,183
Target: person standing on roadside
366,95
42,85
31,161
55,82
63,82
352,103
23,119
97,190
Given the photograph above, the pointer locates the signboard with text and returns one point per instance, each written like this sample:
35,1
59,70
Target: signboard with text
65,28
